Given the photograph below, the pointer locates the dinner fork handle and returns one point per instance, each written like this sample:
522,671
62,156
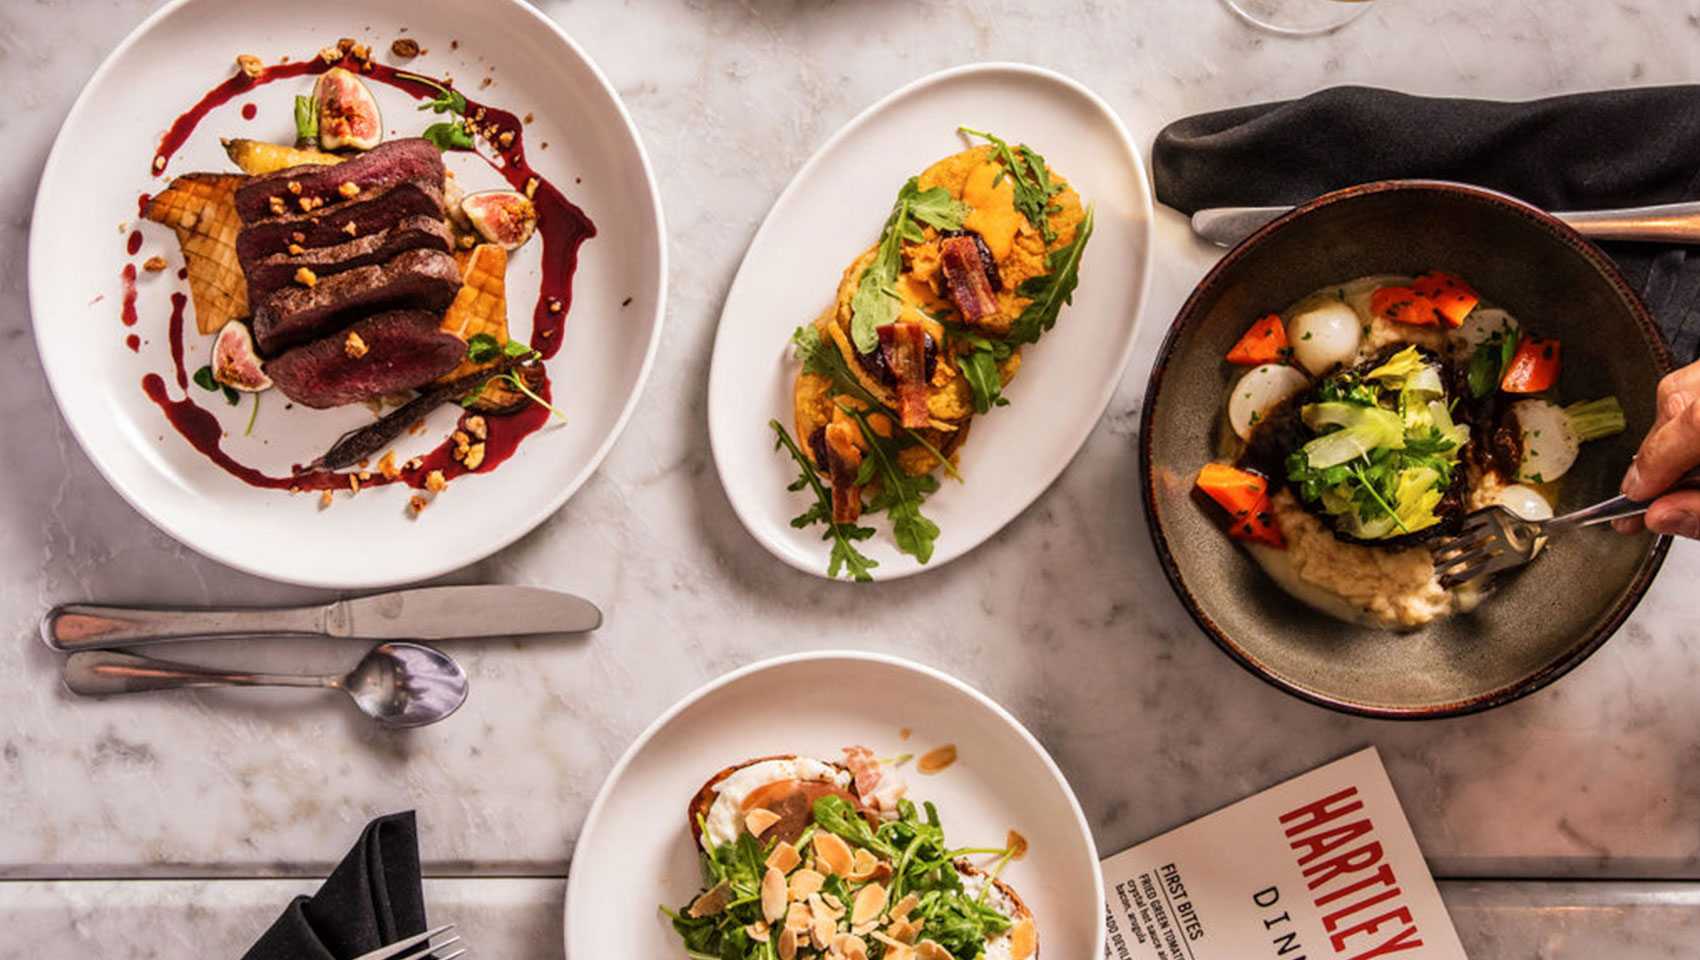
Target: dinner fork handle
1620,506
100,673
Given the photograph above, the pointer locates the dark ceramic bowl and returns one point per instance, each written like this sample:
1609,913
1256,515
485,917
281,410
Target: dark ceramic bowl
1540,621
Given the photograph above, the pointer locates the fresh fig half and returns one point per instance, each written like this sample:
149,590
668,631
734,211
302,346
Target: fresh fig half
348,116
501,216
234,362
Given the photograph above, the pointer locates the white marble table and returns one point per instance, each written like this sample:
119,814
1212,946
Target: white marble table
153,806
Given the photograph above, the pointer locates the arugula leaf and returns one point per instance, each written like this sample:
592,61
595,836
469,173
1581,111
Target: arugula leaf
1050,290
450,135
900,495
876,301
482,348
979,366
844,555
1031,180
448,99
835,815
306,119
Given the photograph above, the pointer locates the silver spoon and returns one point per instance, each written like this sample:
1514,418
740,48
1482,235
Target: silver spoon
398,684
1660,223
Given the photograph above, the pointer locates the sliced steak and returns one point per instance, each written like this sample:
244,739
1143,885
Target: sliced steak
421,279
271,274
312,189
382,354
368,213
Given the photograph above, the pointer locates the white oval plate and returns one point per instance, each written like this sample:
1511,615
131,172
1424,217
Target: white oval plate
99,165
635,852
832,211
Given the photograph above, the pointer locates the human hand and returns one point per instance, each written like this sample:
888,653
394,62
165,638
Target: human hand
1670,449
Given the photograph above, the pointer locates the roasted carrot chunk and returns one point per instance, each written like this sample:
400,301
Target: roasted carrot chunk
1405,305
1238,491
1533,368
1260,526
1452,297
1265,342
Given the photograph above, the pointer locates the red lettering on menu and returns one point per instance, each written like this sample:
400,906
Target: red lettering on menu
1334,846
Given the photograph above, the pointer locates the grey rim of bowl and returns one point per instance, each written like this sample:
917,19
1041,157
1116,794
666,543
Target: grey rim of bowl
1602,630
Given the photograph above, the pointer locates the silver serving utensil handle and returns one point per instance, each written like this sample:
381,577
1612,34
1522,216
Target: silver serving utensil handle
77,626
100,673
1620,506
1659,223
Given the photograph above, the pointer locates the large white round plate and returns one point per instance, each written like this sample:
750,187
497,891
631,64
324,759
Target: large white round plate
100,164
635,852
832,212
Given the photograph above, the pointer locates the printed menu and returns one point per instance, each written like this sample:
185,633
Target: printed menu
1321,867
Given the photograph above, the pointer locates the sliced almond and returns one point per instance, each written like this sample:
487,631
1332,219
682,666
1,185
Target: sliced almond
1023,939
805,882
757,931
833,853
895,949
863,866
903,932
821,931
826,905
869,904
712,901
758,820
850,946
798,916
784,857
773,899
901,910
787,944
930,950
863,929
937,759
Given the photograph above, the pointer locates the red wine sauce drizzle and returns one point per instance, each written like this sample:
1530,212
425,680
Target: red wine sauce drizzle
561,228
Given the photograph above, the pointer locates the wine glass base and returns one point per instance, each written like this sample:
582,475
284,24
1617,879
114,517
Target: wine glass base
1299,17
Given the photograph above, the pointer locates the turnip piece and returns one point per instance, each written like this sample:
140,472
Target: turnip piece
1260,391
1325,336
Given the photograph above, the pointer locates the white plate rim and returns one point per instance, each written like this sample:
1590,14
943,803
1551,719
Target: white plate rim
419,571
689,700
948,552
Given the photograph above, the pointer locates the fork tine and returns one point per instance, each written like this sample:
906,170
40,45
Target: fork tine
430,949
392,951
1467,559
1494,564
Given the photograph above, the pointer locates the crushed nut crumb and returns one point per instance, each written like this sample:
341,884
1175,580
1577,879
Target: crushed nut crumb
361,52
527,118
417,504
293,186
154,264
364,475
326,499
296,250
348,188
158,163
484,82
476,426
505,139
306,277
277,205
474,456
414,464
345,44
467,241
554,305
434,481
531,187
349,228
405,47
250,65
298,237
386,466
353,483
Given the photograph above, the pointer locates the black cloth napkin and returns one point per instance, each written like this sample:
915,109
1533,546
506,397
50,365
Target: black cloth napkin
1598,150
372,898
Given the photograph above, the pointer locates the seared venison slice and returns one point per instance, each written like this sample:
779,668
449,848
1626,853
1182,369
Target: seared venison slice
310,189
965,278
270,274
383,354
371,212
310,308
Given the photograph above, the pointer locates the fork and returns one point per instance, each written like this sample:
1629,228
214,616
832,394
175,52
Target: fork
1493,539
400,949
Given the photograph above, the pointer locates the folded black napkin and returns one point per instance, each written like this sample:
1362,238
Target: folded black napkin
1612,148
372,898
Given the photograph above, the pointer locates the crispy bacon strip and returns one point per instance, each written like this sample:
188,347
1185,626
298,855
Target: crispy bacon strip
904,344
843,459
965,278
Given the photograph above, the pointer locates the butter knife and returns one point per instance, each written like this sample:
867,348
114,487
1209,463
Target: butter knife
1660,223
425,613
